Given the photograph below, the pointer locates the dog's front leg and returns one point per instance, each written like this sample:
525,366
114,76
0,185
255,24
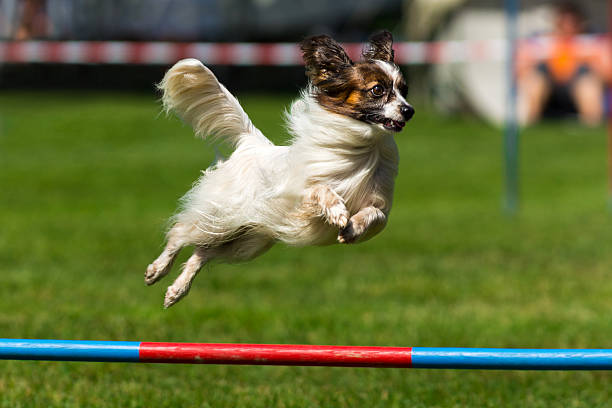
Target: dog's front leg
366,223
322,200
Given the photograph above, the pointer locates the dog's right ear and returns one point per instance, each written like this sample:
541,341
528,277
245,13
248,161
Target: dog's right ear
324,58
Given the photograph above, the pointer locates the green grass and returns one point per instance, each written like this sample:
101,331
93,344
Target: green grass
87,182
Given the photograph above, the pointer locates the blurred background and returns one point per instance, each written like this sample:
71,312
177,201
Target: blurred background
91,170
461,68
454,50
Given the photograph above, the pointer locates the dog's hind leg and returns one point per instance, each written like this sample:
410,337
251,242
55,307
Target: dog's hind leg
243,248
182,284
177,238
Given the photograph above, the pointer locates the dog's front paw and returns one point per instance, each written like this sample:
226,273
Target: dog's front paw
337,214
351,232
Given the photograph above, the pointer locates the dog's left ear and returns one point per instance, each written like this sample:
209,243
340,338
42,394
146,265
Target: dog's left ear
380,47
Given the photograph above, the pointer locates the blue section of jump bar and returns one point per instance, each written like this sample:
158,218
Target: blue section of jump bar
69,350
512,359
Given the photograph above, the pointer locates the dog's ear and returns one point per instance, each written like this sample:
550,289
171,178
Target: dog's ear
379,47
324,58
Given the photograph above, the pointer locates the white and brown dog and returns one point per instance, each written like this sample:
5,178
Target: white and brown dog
333,183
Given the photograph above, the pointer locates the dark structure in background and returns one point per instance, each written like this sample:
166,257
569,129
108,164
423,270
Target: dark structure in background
143,77
204,20
185,21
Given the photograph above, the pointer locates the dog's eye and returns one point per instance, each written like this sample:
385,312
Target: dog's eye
377,90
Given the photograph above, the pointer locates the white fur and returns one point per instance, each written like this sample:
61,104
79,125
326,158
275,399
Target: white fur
392,110
332,183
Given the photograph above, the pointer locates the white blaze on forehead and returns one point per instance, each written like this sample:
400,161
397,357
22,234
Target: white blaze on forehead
392,109
390,69
394,73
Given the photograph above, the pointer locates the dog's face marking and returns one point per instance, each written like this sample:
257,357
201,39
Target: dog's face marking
372,90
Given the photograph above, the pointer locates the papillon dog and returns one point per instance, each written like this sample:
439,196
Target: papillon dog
332,183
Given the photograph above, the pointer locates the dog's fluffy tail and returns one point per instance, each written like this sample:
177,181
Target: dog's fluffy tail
194,93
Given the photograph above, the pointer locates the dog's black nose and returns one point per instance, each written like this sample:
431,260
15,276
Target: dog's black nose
407,111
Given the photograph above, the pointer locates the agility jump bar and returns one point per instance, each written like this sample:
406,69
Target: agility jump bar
306,355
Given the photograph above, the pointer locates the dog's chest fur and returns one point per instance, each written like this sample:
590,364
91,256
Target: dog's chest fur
352,158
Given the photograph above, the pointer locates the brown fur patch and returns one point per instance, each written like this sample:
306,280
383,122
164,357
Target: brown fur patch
324,58
350,93
354,98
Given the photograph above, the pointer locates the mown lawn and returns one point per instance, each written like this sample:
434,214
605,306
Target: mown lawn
87,182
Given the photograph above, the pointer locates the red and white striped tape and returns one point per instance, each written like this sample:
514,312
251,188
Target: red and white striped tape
249,54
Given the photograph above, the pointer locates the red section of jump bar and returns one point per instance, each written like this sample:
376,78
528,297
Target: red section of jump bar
273,354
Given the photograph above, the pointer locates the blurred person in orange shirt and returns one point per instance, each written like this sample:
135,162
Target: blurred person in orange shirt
570,77
33,22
